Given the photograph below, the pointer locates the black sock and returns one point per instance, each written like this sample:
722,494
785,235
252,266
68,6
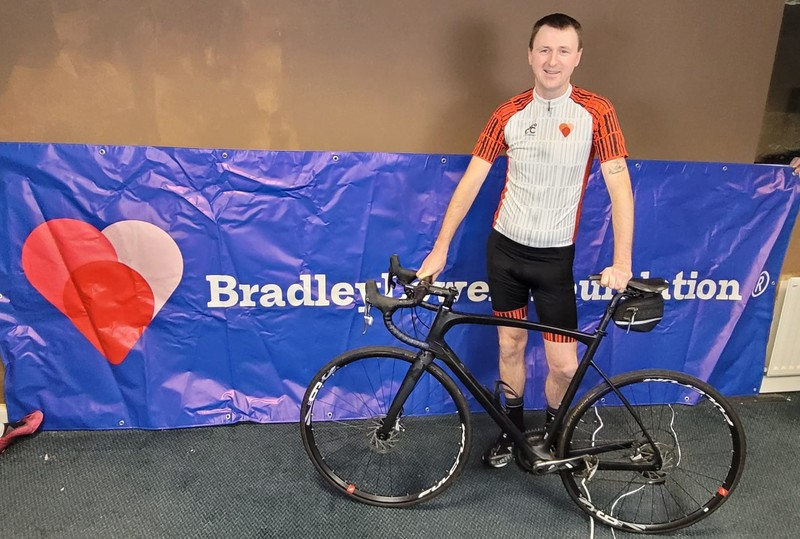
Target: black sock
515,410
550,415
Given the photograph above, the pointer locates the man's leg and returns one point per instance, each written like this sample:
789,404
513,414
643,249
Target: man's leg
512,359
562,360
512,372
509,300
554,300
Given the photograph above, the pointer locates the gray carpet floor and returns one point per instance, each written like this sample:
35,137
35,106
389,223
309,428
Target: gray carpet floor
254,480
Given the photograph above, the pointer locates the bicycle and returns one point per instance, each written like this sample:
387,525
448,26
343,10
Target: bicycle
389,427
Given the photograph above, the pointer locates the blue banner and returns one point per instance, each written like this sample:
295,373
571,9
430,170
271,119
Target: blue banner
162,287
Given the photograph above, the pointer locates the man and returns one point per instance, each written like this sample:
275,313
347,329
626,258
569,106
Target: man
550,134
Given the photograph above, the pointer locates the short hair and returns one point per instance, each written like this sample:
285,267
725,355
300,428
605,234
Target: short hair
560,22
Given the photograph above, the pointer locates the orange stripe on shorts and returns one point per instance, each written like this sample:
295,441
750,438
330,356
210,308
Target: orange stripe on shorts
516,314
554,337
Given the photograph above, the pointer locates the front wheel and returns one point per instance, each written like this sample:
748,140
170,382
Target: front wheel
676,470
345,407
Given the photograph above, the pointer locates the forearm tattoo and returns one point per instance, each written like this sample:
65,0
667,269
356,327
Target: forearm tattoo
617,167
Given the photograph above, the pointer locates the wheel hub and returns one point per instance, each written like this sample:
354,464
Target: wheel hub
381,442
646,453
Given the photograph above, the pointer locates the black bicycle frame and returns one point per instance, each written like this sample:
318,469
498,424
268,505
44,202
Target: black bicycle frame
436,346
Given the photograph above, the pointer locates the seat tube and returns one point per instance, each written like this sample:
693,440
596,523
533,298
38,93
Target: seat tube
583,366
609,312
424,358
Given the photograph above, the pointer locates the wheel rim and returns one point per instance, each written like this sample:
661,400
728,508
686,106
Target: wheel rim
699,441
425,447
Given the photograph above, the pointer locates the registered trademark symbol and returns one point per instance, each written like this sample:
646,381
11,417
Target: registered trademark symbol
762,284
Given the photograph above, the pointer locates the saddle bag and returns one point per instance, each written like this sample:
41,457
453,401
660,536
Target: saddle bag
640,314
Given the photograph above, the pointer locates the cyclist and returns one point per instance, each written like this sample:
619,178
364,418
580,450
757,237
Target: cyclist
550,134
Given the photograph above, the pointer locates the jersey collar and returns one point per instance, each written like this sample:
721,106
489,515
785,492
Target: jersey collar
551,102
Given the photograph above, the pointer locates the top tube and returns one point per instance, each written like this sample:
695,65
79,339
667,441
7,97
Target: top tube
447,318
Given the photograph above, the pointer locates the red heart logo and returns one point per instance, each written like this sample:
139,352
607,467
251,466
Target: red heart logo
565,129
109,284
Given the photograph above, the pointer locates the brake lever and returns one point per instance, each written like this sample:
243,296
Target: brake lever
367,318
391,279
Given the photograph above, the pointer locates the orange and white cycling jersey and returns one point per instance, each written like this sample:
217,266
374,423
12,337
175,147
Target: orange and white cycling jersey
550,146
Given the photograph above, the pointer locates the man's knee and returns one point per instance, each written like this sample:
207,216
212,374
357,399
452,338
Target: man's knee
562,360
512,344
563,371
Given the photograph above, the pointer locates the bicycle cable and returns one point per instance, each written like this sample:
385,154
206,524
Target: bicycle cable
415,316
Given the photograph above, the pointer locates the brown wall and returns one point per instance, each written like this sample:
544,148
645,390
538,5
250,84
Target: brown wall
689,79
791,264
780,132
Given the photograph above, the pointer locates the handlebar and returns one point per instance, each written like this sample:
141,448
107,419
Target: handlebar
387,304
404,276
416,297
416,292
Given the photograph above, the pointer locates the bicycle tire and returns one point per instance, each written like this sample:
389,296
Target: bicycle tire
343,407
699,437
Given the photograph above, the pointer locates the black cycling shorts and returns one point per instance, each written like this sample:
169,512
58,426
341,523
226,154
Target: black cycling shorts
516,271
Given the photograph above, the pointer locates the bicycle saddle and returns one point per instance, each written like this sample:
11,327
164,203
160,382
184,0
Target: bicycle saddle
653,286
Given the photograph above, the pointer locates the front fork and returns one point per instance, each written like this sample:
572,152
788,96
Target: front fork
424,358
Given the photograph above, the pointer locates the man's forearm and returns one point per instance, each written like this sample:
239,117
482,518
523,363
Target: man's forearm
622,223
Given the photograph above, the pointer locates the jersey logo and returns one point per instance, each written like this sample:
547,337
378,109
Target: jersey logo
531,131
565,129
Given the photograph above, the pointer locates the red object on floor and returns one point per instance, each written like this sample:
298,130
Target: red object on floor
24,427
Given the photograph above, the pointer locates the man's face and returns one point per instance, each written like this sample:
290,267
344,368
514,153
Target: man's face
553,58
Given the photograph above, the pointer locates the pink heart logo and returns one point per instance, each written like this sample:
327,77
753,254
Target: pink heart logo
110,284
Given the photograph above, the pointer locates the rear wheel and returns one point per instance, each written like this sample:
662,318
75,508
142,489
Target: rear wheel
692,429
344,407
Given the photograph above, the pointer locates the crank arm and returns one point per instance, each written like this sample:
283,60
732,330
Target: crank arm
557,465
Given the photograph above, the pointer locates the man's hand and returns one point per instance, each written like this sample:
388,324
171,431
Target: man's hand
615,277
433,265
795,164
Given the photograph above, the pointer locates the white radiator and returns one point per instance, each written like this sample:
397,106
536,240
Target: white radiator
785,357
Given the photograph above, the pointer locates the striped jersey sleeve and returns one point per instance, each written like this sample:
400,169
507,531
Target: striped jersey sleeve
492,140
607,140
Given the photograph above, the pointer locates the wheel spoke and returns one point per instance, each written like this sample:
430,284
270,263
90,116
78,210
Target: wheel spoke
403,463
692,428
